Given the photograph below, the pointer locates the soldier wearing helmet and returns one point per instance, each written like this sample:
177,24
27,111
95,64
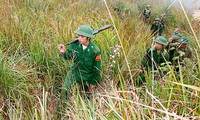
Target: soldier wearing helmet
181,52
158,54
146,13
172,44
156,27
87,60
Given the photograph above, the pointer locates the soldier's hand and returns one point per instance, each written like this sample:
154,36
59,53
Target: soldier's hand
61,48
140,71
170,40
92,86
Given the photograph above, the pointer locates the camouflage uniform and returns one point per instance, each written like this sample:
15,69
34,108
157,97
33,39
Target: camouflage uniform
146,13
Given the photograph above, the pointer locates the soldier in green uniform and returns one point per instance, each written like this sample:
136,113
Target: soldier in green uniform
172,44
158,54
87,60
181,52
157,28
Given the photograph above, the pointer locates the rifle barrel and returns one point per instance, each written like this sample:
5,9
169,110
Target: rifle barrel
94,33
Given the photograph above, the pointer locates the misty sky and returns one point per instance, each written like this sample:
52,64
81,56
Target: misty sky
190,5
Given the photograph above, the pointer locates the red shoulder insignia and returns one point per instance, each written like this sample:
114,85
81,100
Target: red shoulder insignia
98,58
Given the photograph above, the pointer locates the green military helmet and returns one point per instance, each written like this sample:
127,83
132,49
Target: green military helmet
183,40
85,31
161,40
157,19
177,36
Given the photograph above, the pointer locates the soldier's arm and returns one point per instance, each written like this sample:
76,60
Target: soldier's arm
69,54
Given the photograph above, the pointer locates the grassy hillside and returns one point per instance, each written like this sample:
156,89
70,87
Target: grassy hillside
32,72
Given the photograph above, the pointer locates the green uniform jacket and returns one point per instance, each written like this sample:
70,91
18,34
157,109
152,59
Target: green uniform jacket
156,28
87,63
171,48
146,63
158,58
182,53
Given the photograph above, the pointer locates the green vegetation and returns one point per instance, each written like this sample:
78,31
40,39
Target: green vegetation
32,73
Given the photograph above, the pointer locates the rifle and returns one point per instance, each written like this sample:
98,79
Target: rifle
94,33
166,10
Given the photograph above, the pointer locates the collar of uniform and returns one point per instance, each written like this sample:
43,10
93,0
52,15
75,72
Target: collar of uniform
84,47
88,47
156,50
